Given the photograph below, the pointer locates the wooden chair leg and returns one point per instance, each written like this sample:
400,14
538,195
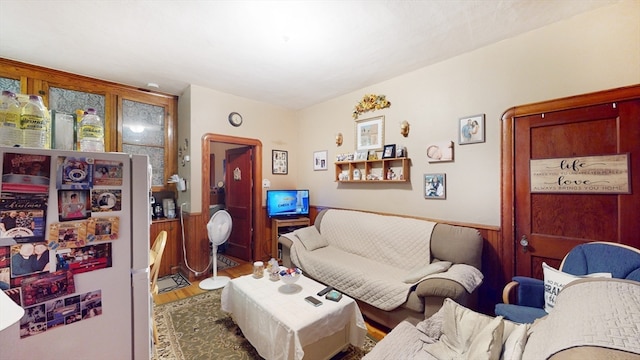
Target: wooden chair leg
155,332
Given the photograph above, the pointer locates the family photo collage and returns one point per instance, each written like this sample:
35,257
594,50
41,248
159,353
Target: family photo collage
37,267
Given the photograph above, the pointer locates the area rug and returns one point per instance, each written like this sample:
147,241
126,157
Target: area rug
224,262
172,282
196,328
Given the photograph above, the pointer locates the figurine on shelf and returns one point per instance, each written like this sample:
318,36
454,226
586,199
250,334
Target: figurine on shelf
390,174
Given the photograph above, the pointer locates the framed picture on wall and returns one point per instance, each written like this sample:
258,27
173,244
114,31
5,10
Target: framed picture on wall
370,133
389,151
471,129
320,160
279,162
435,186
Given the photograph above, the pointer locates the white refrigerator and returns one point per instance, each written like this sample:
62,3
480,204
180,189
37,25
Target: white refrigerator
99,307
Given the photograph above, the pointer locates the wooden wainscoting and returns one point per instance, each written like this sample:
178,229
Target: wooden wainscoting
196,243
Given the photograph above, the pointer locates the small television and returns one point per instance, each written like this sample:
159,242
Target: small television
287,203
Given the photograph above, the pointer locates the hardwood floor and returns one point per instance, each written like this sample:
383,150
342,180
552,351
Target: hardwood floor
376,332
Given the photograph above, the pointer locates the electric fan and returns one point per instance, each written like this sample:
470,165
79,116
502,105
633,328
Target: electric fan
219,229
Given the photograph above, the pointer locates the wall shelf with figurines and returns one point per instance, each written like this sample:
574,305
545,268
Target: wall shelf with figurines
352,170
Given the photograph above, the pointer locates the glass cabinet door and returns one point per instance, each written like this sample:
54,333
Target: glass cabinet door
143,132
9,84
65,104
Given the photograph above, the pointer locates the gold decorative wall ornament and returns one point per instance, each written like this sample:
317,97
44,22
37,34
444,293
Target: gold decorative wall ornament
339,139
370,102
404,128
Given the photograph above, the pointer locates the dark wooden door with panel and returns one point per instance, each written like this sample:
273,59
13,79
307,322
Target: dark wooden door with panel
238,198
543,226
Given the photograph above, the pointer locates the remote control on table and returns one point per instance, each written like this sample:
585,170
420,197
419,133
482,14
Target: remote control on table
325,290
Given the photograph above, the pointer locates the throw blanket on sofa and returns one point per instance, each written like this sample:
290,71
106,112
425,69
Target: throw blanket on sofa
367,256
612,308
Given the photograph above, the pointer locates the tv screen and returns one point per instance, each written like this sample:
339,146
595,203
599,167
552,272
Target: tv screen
283,203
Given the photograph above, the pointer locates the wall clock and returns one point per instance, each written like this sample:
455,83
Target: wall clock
235,119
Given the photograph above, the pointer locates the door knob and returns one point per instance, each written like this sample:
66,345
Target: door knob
524,242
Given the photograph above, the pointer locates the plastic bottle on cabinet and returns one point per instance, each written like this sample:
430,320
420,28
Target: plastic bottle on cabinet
35,124
10,131
91,132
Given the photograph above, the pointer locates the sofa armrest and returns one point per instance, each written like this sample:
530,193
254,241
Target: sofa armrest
444,288
286,251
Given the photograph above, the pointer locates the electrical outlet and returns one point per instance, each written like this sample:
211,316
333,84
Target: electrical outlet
266,183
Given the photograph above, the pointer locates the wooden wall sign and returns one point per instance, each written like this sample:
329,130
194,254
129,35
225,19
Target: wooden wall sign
606,174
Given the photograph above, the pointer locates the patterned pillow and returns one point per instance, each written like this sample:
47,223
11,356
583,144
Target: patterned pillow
555,280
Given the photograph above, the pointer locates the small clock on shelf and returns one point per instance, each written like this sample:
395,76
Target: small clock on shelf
235,119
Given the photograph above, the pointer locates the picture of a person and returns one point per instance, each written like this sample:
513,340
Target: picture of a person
437,186
41,260
36,169
469,129
74,209
22,262
25,220
9,221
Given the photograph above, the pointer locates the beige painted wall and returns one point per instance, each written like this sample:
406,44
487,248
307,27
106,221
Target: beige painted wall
207,111
591,52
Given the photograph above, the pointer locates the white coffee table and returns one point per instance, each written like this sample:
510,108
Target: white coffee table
280,324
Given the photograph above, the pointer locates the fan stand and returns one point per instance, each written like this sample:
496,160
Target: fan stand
214,282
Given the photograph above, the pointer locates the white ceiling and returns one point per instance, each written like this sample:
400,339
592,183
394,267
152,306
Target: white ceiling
288,53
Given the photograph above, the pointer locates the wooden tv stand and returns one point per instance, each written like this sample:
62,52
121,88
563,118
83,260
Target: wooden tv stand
283,226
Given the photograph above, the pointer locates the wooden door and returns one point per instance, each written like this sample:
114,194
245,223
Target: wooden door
238,199
551,224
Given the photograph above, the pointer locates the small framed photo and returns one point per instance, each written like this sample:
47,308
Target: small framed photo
279,162
370,133
389,151
320,160
74,204
102,229
362,155
435,186
471,129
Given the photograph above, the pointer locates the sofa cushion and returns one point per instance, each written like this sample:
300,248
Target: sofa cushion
514,340
420,272
555,280
369,281
310,238
467,334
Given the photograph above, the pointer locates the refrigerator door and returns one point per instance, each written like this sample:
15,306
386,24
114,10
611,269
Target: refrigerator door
121,329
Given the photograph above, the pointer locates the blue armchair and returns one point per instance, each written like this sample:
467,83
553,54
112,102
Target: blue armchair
623,262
